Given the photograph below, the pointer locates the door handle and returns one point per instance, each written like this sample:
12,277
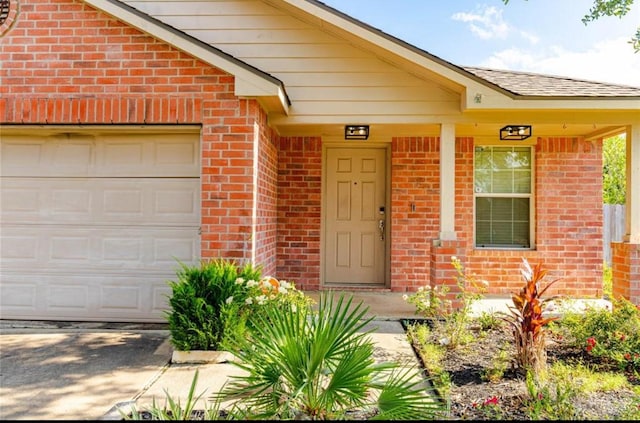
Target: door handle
381,229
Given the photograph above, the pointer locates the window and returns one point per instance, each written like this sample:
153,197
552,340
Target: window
503,197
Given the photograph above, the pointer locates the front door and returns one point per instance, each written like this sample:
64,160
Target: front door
355,217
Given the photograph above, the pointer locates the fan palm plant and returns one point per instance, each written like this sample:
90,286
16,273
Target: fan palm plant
306,364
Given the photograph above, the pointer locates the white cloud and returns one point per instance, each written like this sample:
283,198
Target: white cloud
532,38
486,24
610,60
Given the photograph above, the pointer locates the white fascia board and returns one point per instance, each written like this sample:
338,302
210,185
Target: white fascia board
557,103
262,88
481,97
248,83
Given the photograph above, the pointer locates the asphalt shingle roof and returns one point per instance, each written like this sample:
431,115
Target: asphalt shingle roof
531,84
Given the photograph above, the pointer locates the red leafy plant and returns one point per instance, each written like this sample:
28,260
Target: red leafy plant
490,407
527,321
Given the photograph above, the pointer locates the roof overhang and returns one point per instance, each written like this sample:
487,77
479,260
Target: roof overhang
249,81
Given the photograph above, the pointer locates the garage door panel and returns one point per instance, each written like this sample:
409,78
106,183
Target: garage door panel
15,296
160,298
160,201
47,156
30,200
168,249
71,157
93,223
138,297
120,298
97,249
85,155
18,246
21,156
61,298
134,154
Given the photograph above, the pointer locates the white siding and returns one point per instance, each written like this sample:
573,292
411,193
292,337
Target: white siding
325,75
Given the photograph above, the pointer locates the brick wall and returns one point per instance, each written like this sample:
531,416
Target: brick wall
569,206
568,222
569,225
299,210
568,197
65,63
415,181
266,222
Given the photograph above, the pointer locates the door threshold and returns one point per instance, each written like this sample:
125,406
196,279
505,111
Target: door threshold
355,288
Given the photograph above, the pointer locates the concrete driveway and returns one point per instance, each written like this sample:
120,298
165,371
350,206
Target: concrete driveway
76,373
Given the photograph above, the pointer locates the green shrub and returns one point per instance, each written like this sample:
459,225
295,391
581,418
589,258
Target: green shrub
613,335
431,356
488,320
550,399
199,298
253,302
434,303
499,365
215,303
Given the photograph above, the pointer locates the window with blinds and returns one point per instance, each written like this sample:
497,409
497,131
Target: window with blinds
503,197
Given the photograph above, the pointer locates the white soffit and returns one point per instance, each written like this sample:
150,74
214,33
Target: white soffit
249,82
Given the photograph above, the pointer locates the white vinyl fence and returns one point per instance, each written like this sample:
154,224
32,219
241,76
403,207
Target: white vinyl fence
613,227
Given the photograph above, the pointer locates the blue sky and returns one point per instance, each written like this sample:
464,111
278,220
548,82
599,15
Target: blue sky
541,36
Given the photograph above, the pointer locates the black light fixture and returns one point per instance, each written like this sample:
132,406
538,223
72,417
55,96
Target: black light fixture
356,132
515,132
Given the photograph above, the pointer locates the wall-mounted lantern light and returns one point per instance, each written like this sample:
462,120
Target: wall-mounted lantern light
356,132
515,132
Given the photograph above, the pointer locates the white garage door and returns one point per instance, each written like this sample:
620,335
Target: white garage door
93,223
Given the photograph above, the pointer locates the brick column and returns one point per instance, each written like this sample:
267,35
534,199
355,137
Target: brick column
626,254
626,271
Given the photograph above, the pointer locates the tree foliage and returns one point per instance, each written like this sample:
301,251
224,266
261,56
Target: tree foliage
618,8
614,170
